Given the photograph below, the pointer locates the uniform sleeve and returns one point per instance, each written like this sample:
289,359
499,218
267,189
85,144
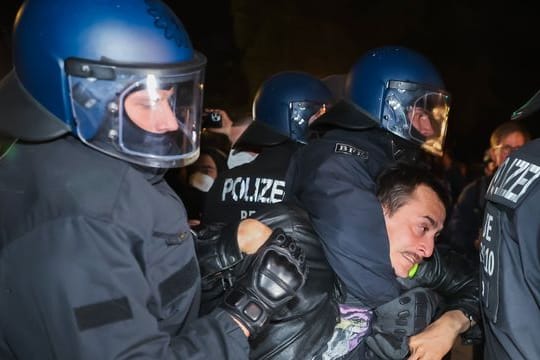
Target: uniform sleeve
105,295
339,196
527,227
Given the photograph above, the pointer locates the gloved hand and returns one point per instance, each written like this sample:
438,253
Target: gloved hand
387,346
397,320
276,273
217,252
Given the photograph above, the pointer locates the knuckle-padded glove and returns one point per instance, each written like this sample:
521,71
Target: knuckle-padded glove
396,320
276,273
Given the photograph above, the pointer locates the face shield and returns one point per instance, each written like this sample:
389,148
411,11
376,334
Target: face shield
301,114
417,114
147,116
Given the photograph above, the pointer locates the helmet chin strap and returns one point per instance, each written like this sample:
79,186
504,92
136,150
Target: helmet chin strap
403,150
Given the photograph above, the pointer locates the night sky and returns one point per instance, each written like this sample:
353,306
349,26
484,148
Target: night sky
486,53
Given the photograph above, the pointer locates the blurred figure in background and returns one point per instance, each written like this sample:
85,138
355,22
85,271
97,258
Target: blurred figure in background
465,223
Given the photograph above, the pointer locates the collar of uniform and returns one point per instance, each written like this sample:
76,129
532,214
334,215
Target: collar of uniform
152,175
258,135
23,116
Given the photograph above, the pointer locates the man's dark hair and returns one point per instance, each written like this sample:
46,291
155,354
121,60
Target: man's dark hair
398,181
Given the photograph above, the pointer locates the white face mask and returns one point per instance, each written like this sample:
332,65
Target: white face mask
201,181
237,158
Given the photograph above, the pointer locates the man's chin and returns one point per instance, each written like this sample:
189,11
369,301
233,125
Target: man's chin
401,272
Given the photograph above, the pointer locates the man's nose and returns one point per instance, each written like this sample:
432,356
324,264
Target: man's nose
165,119
427,247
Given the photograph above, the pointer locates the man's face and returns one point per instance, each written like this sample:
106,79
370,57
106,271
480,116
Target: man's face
509,143
421,122
151,111
412,229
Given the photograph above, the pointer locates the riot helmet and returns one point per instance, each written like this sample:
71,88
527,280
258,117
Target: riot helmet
121,75
289,101
402,91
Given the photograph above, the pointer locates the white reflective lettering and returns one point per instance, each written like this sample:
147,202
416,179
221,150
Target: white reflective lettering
278,190
227,188
486,232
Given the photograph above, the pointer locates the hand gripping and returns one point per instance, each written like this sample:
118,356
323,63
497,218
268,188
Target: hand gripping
218,253
277,272
395,321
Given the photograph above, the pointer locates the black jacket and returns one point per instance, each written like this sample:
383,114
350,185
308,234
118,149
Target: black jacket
97,262
466,220
301,330
510,257
242,191
333,179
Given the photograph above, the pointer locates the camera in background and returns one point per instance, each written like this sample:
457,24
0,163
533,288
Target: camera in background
211,119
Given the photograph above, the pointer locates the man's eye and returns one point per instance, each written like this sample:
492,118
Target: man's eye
149,104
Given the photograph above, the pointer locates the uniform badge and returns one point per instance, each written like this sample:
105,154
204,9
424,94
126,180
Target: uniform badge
350,150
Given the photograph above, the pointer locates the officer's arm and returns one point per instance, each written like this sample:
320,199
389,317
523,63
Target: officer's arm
340,199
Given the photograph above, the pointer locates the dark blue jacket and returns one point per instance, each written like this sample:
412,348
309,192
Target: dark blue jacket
333,179
97,262
510,258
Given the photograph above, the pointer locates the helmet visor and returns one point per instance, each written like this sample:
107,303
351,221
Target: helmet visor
147,116
418,114
301,114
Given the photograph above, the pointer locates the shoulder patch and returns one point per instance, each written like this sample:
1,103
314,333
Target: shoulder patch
511,182
347,149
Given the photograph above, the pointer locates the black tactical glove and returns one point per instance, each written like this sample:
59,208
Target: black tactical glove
217,252
400,318
386,347
276,273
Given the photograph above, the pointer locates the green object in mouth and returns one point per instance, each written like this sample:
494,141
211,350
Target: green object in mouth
413,271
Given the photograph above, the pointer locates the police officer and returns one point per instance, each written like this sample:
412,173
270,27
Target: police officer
96,257
396,104
282,109
510,265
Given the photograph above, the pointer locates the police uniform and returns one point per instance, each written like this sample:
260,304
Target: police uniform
510,260
333,179
97,262
244,190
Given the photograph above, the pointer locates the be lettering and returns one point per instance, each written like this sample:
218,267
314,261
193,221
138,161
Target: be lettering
486,232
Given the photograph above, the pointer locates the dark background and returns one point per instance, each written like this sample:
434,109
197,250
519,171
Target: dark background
487,52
